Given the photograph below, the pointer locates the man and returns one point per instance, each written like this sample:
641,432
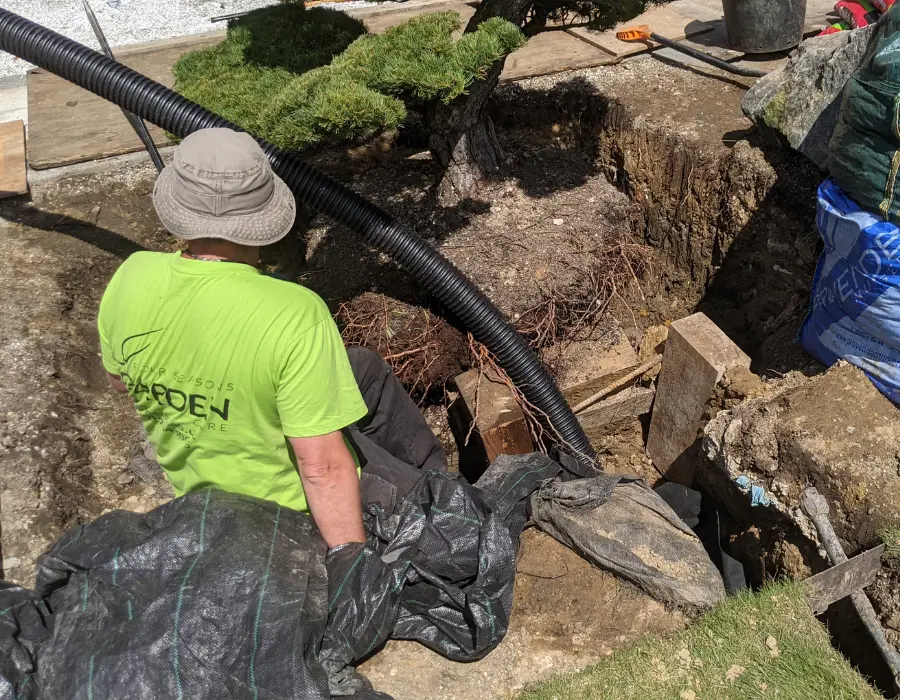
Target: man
241,380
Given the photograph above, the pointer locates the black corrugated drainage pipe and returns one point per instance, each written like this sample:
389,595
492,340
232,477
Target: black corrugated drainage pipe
161,106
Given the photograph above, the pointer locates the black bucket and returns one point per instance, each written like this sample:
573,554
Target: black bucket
764,26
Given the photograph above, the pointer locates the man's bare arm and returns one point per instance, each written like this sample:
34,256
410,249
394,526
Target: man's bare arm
116,382
331,483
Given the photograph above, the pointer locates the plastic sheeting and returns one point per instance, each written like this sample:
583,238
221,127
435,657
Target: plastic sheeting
855,303
620,525
216,595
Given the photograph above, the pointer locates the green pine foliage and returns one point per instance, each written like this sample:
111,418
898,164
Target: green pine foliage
299,76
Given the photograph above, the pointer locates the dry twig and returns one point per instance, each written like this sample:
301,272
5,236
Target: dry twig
618,384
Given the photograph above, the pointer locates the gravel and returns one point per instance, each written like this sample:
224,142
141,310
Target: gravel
130,21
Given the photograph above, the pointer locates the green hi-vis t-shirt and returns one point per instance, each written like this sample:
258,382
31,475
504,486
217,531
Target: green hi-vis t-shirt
223,363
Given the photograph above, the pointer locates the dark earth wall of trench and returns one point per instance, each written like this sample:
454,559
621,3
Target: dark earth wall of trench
732,226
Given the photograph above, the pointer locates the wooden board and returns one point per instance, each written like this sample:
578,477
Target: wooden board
499,421
69,125
593,365
667,20
13,175
630,403
552,52
383,18
840,581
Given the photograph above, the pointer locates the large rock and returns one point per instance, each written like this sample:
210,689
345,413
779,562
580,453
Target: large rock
801,101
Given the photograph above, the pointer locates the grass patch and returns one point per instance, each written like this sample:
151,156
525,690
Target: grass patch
752,646
298,77
891,538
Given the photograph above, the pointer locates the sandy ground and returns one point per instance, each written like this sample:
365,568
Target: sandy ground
129,21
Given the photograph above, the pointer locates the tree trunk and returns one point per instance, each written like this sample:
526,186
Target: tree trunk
462,138
463,141
513,11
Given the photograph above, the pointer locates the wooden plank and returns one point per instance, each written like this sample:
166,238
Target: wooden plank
499,424
666,20
842,580
69,125
631,403
13,172
589,365
553,52
383,18
188,42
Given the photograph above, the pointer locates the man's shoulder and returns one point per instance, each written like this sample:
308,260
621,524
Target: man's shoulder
145,259
288,291
289,303
134,272
137,269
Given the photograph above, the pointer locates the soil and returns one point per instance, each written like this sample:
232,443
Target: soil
623,452
732,221
63,432
839,434
884,595
566,616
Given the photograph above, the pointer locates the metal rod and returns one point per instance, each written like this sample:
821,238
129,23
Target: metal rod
136,122
816,507
228,18
706,58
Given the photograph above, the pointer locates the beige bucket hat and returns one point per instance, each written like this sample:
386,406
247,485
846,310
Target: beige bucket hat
220,185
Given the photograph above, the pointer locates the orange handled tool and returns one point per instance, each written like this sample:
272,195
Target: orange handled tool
641,32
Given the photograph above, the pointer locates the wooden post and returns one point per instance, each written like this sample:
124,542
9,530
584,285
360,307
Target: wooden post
13,176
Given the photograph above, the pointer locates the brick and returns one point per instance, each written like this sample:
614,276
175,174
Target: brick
696,356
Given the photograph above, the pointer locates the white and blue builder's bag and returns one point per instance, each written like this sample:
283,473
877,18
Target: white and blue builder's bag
855,307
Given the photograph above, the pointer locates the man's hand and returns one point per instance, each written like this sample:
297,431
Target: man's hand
329,477
116,383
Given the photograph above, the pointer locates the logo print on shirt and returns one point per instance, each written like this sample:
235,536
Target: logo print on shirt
204,414
128,350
